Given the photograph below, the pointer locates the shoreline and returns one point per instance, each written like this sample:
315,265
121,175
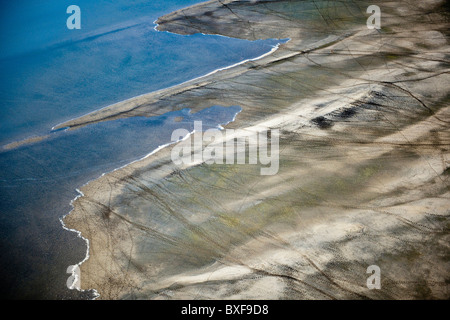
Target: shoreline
66,125
113,111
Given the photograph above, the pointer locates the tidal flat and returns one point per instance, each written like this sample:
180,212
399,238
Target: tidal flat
363,177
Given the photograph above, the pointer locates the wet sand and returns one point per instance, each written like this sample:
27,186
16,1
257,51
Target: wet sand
364,155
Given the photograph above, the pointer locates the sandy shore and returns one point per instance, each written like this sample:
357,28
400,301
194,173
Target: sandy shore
364,118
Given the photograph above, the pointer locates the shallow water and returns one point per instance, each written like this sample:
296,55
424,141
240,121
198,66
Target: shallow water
51,74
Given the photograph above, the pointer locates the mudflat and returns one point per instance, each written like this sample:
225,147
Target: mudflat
363,179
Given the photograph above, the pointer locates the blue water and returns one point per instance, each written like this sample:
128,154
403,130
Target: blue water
40,181
49,74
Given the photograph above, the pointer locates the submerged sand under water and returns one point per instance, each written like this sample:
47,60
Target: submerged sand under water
363,180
